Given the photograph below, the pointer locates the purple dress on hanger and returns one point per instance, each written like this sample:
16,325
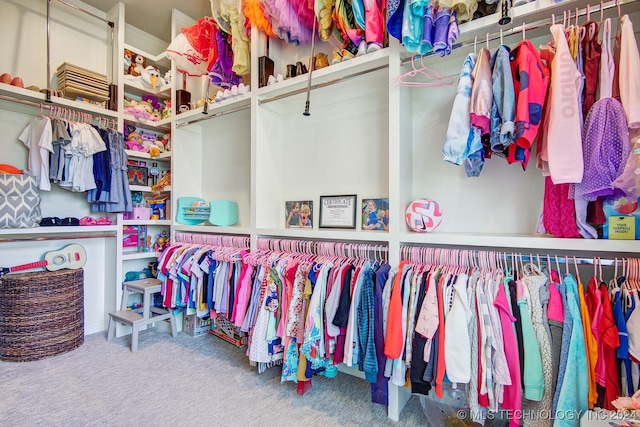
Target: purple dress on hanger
221,73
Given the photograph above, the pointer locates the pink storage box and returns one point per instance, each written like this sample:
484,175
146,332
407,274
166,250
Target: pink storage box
141,213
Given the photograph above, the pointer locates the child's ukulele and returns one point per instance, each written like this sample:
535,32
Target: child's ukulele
72,256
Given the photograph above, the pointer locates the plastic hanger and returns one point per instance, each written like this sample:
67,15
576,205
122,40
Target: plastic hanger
433,77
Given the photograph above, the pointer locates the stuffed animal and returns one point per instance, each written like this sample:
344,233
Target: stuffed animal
134,142
166,141
162,241
150,78
167,77
127,60
153,100
138,64
165,111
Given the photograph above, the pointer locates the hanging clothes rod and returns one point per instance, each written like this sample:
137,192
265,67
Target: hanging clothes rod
227,240
51,108
111,25
211,116
458,254
320,85
531,26
73,6
55,237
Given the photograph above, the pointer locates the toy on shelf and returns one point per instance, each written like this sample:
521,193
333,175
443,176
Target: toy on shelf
147,109
192,210
158,205
138,64
150,78
162,242
135,236
134,142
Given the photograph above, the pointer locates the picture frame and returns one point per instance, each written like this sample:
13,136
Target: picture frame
375,214
298,214
338,211
138,175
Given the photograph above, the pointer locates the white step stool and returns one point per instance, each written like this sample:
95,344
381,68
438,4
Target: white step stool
150,314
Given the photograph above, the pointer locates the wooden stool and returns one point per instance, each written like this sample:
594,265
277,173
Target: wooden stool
150,314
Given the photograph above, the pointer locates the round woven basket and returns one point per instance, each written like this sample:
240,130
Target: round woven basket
41,314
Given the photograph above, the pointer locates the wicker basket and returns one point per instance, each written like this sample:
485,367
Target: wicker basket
41,314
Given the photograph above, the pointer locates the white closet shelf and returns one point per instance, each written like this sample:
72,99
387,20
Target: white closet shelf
133,86
163,157
211,229
126,256
164,124
146,189
39,98
522,241
146,222
52,231
327,75
323,233
159,60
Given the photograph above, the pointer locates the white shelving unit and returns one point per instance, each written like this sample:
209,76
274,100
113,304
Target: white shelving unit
363,137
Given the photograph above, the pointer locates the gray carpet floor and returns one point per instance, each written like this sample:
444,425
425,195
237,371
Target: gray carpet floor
178,382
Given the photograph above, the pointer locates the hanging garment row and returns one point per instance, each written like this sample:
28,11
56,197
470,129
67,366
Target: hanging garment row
528,334
516,335
296,306
574,97
66,149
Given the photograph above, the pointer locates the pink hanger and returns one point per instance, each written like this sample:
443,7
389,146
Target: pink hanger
433,77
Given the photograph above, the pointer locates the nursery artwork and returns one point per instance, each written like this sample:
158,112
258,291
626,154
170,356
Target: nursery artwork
375,214
299,214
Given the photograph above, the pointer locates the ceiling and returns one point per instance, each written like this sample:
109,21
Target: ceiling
154,16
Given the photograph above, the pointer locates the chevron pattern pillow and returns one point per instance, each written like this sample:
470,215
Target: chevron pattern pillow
19,201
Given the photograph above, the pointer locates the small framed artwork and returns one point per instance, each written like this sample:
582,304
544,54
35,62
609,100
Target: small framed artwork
338,211
138,175
375,214
299,214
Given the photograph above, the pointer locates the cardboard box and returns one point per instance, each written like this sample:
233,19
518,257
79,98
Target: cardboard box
224,329
195,326
623,219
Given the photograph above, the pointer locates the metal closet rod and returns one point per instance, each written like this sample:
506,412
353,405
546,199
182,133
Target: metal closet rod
50,107
319,85
208,116
526,27
111,25
73,6
54,237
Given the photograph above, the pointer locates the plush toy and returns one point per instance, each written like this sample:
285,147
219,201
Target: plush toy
150,78
166,141
134,142
165,111
153,100
127,60
138,64
162,241
168,77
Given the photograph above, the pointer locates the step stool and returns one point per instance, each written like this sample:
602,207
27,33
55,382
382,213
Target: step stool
150,314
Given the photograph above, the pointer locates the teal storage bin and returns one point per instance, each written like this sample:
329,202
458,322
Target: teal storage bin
192,210
223,213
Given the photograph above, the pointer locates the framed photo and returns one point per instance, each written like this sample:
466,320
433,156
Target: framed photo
138,175
375,214
299,214
338,211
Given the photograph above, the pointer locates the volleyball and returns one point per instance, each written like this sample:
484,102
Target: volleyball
423,215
